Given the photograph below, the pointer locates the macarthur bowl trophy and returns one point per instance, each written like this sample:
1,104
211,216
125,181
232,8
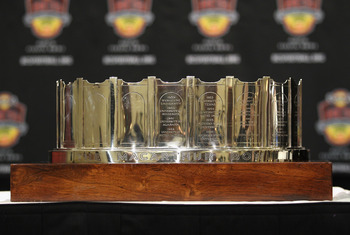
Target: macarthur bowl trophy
188,121
188,140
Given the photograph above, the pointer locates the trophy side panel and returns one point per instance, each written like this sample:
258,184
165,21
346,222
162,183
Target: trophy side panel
278,120
67,112
133,128
246,114
190,112
77,114
210,114
264,112
229,111
170,114
298,115
97,115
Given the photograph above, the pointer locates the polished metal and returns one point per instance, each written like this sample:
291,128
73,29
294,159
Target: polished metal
153,121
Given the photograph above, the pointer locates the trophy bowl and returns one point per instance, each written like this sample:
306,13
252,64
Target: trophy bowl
188,140
187,121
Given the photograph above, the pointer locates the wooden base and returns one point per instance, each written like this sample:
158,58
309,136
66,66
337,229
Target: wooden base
172,182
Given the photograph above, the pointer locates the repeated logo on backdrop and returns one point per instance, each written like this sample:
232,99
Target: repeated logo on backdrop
334,118
12,120
214,19
299,19
334,125
129,19
12,127
46,19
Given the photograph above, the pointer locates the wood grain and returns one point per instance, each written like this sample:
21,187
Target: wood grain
171,182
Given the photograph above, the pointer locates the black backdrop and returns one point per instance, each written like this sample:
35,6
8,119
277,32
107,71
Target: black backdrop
171,47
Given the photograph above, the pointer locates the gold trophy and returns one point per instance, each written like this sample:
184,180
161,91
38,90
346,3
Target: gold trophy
153,121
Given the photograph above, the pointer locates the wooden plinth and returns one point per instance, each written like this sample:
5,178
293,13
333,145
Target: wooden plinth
171,182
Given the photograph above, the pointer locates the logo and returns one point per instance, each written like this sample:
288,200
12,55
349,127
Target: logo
12,120
129,17
213,17
299,17
334,118
47,18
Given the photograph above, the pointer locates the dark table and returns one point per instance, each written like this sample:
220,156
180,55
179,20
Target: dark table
331,217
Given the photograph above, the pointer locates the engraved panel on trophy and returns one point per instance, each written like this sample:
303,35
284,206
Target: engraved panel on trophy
77,115
279,114
133,106
297,113
246,114
170,114
65,103
209,114
96,111
67,111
